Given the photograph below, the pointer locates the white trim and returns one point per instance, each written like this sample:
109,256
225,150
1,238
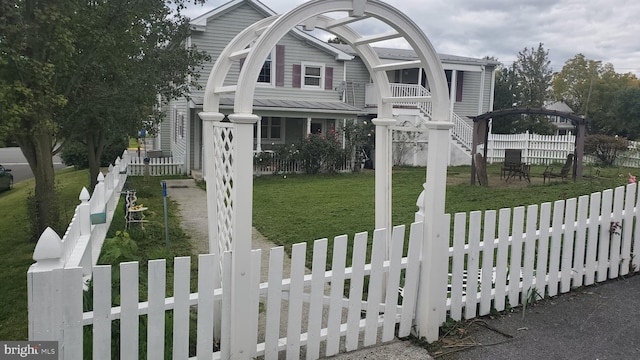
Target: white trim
303,75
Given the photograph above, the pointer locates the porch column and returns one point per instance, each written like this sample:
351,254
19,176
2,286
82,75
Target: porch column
432,289
452,92
243,323
383,164
308,127
208,172
259,135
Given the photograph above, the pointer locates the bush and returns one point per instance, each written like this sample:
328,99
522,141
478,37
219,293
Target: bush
605,148
320,153
75,153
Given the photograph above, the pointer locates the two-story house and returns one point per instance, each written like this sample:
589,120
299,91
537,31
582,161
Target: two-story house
308,85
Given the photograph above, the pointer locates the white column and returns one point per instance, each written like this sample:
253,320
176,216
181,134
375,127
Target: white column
308,127
483,75
259,135
243,325
384,164
432,290
452,92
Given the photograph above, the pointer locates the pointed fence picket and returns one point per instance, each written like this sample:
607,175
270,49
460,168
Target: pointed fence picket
565,245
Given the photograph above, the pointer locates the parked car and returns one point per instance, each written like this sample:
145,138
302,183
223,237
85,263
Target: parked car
6,179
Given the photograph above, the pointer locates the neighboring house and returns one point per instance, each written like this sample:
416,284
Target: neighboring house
563,125
308,85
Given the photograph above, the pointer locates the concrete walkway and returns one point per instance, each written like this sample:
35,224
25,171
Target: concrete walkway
193,210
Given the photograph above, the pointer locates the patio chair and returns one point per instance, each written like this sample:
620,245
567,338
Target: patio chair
512,163
564,172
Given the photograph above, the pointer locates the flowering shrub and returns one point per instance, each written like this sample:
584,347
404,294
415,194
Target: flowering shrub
321,153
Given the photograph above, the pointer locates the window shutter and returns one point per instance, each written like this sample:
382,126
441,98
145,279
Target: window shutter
328,78
279,65
297,70
459,81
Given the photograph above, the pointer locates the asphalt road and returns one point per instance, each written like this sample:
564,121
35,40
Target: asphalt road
13,159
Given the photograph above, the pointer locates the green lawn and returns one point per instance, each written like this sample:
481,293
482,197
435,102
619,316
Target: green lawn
298,208
17,249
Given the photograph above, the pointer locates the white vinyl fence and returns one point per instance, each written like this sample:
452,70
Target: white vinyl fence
156,167
541,250
60,292
547,149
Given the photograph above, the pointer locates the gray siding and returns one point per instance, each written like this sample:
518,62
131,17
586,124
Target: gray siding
470,95
222,29
357,78
173,144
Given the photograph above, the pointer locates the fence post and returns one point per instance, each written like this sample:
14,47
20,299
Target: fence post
98,201
44,310
242,344
383,165
432,289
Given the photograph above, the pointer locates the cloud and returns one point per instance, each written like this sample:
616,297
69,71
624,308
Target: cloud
601,30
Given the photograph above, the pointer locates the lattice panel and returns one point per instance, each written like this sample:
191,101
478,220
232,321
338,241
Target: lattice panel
223,160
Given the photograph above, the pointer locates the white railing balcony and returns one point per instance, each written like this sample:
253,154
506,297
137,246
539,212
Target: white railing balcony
400,90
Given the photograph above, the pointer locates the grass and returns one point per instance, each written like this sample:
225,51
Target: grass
17,249
301,208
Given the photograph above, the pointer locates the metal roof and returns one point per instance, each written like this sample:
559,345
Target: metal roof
409,54
290,105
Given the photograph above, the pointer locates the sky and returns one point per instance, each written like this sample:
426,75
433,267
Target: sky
603,30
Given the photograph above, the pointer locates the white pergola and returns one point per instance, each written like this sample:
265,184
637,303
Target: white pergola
254,45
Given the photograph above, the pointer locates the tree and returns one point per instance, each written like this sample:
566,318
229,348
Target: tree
505,97
574,83
627,112
72,69
595,90
534,74
524,84
142,54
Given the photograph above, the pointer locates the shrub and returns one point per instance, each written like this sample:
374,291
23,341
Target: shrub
321,153
75,153
605,148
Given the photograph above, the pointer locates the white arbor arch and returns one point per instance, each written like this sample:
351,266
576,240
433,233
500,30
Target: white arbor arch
254,45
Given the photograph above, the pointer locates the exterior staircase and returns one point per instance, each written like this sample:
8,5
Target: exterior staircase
462,132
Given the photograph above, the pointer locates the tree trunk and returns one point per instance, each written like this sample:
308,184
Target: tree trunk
95,145
37,149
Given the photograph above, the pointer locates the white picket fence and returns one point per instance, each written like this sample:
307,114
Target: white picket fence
545,250
60,294
82,241
156,167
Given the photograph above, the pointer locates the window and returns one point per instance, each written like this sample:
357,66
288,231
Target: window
313,75
271,128
266,73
